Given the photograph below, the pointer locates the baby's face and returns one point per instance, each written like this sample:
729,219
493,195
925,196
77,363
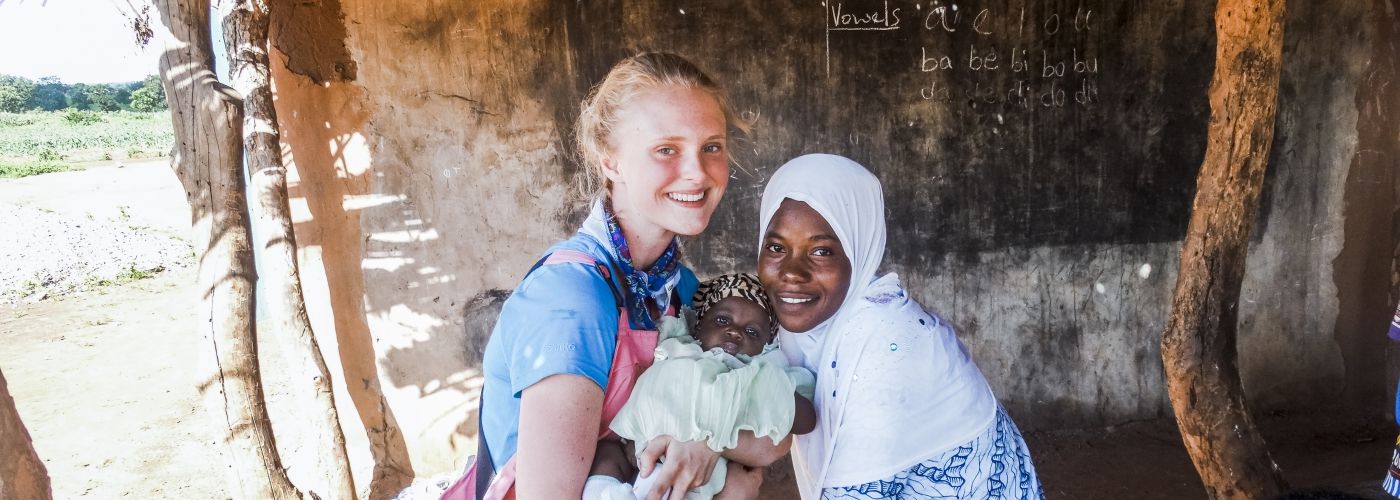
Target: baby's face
736,325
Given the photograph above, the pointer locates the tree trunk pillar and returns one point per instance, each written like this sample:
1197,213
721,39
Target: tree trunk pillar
1199,344
22,474
208,157
318,444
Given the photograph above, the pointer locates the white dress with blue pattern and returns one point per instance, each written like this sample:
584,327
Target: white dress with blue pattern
995,465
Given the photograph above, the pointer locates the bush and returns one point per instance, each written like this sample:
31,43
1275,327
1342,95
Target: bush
18,119
26,169
81,117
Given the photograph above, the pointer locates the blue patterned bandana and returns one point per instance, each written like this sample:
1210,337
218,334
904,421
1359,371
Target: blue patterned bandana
643,288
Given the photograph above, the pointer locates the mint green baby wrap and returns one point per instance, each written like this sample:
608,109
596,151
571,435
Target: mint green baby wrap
696,395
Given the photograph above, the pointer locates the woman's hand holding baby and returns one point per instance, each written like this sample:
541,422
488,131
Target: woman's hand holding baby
688,464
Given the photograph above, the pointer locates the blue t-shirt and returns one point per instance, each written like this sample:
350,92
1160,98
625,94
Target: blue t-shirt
561,319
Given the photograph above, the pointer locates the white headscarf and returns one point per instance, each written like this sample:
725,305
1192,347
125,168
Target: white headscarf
931,395
849,197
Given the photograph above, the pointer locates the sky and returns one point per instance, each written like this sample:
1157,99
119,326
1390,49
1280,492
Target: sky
79,41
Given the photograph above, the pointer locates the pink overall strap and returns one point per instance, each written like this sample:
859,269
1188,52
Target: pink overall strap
570,257
636,350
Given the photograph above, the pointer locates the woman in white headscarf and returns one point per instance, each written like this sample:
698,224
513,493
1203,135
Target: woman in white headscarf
902,410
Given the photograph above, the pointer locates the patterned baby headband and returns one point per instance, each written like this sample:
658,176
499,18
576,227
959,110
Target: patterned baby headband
721,287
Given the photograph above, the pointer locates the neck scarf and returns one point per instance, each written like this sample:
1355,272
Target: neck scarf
644,288
849,197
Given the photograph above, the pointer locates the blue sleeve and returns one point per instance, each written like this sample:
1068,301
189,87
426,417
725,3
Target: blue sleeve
562,319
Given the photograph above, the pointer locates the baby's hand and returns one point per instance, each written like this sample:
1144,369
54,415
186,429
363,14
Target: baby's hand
805,417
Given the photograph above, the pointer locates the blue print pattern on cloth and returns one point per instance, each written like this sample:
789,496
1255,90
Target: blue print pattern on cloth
642,286
952,472
998,487
881,489
885,298
994,465
1395,324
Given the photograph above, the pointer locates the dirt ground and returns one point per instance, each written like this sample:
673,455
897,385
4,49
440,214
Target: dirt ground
104,382
103,379
1146,460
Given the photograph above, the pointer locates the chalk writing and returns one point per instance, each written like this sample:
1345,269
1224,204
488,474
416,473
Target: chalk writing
848,20
1028,59
841,19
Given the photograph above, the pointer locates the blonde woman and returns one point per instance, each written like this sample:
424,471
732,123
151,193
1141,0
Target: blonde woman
581,326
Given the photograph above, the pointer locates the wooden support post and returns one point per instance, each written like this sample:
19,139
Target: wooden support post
1198,347
318,443
22,474
208,158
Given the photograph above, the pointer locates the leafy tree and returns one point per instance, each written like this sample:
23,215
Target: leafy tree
122,94
77,96
150,97
15,93
50,94
101,98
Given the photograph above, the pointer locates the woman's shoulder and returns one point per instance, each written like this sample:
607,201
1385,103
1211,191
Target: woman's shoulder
888,308
884,298
685,289
571,272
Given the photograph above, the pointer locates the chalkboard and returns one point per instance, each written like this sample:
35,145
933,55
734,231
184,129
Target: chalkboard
992,124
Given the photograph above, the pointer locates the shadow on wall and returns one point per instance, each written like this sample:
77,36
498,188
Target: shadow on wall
478,319
322,125
466,189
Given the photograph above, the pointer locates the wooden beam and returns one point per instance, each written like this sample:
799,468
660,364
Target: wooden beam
1199,345
208,159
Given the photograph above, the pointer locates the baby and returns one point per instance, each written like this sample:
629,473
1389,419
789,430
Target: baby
726,378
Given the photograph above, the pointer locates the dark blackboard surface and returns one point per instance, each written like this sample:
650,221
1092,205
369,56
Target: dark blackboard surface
992,124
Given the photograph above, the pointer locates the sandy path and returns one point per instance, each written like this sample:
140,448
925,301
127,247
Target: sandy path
147,191
104,380
104,383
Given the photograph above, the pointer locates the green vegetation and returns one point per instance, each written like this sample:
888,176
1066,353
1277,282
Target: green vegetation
39,142
81,117
132,273
10,169
19,94
46,125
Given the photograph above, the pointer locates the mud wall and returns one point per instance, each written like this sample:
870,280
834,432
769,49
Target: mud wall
1039,159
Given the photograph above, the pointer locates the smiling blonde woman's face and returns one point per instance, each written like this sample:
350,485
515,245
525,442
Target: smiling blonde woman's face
667,162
